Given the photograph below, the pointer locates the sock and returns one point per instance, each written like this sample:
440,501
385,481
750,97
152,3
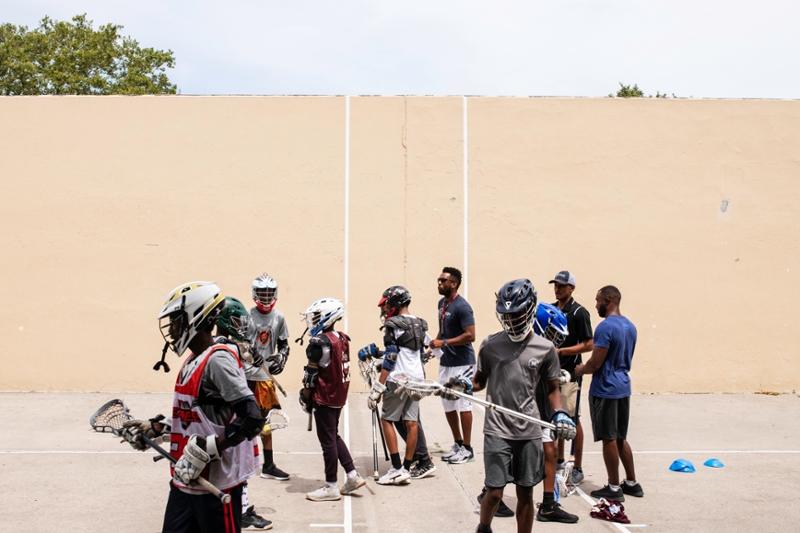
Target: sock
614,487
460,442
484,528
468,447
245,503
333,484
560,463
396,461
268,458
549,498
352,474
631,483
577,469
407,464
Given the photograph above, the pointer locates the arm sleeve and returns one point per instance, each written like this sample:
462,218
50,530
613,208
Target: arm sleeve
602,337
583,324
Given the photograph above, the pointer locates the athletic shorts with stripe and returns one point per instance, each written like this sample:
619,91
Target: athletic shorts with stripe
445,373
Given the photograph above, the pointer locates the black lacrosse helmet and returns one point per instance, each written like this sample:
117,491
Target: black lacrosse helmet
516,308
394,298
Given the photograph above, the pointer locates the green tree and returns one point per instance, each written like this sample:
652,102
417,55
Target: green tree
626,91
74,58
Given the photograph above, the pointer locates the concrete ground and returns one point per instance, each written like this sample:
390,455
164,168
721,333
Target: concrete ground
57,475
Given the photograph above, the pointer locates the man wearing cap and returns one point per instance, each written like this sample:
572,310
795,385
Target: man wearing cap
578,341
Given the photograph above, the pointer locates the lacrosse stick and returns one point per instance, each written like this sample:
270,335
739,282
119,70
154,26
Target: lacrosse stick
375,445
429,386
275,381
577,409
383,435
276,419
111,417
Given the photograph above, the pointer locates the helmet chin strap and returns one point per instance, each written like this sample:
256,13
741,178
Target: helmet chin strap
163,363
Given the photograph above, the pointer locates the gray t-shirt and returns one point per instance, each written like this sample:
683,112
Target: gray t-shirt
221,381
265,331
513,369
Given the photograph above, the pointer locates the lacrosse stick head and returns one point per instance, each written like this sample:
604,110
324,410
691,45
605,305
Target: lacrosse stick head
110,417
276,419
407,382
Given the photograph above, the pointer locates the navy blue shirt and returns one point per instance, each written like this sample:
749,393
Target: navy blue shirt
618,335
453,318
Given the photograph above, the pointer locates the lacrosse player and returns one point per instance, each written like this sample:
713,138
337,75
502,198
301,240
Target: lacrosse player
569,353
405,339
510,363
455,338
610,393
214,415
326,380
233,325
269,332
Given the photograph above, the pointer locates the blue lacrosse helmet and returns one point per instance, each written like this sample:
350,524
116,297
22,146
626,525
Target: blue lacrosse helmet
551,323
516,307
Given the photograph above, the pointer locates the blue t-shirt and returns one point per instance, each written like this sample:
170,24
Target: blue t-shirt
618,334
453,318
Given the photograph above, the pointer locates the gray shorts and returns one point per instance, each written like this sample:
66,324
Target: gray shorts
397,407
610,417
528,465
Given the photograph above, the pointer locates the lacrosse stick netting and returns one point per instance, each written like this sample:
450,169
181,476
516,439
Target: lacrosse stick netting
429,386
110,417
276,419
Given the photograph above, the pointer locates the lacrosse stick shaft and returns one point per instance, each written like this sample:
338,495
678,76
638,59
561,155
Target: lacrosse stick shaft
375,445
224,498
383,436
275,381
575,418
310,418
500,408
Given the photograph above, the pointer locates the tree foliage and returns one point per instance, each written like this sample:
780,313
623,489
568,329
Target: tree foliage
626,91
74,58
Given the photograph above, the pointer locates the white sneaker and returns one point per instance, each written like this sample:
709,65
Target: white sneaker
454,450
352,483
325,493
463,456
395,477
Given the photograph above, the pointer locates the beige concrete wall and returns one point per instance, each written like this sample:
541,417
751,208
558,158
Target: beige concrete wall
110,202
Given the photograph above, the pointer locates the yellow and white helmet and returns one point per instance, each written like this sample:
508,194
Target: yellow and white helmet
189,308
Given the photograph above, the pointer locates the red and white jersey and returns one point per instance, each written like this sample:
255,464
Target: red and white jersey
236,464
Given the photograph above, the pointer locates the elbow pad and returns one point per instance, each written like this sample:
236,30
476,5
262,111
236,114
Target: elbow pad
248,422
310,376
390,357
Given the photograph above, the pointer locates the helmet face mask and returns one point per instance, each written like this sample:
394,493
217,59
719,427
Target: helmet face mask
322,314
265,293
234,319
516,308
551,323
393,299
189,309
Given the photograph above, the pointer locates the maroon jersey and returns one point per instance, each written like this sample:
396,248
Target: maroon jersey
334,380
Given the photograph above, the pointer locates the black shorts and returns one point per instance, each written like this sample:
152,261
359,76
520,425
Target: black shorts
609,417
189,513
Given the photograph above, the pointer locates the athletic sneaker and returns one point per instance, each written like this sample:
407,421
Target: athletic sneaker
608,494
395,477
553,512
273,472
633,490
454,450
252,522
325,493
463,456
503,511
576,478
352,483
423,469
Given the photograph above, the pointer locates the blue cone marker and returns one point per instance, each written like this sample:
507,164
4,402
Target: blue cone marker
682,465
714,463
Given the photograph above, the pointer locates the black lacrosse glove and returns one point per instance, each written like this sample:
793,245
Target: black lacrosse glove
305,404
277,362
258,359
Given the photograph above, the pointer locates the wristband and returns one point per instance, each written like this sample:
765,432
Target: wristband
445,342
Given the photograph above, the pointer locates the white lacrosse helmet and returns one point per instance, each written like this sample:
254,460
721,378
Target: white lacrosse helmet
189,308
265,292
322,314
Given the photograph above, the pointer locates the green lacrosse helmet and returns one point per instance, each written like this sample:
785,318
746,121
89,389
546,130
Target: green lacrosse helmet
234,318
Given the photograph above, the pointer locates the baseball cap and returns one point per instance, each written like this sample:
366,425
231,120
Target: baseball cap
564,277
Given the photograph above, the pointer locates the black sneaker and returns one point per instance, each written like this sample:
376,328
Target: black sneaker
608,494
273,472
252,522
503,511
422,469
636,490
553,512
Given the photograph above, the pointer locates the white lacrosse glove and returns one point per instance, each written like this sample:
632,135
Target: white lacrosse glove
198,452
564,377
375,395
460,384
133,430
415,395
565,427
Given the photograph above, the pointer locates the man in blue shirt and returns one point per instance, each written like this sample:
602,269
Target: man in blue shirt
610,393
455,338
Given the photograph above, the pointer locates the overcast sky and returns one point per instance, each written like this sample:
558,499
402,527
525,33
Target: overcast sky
732,49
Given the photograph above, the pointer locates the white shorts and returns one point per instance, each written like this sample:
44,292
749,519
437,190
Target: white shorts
445,373
546,435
